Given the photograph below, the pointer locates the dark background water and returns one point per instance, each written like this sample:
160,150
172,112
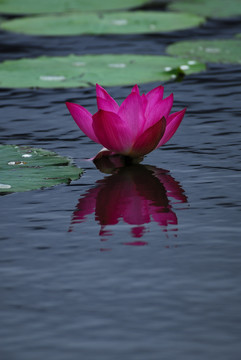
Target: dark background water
75,286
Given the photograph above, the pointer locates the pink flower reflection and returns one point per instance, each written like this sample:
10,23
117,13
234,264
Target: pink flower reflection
138,194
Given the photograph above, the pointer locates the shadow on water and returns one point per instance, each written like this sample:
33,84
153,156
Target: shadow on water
138,194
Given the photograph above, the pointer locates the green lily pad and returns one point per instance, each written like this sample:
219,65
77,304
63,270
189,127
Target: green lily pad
208,8
109,23
63,6
23,168
217,51
87,70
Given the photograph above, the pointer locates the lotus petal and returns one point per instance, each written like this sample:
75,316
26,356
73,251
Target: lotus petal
141,123
173,122
131,111
160,109
149,139
105,101
83,119
112,132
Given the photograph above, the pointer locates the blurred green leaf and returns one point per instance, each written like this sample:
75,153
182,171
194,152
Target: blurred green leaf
108,23
87,70
63,6
23,168
217,51
208,8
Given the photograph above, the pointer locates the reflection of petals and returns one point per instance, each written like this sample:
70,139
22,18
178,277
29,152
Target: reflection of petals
137,194
138,231
172,187
137,212
136,243
86,205
165,218
107,206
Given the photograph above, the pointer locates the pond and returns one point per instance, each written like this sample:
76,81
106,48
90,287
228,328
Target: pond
143,263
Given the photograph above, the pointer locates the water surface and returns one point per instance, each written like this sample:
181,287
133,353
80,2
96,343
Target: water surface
140,264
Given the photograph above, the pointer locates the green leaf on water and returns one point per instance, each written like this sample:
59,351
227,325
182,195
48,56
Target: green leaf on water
23,168
87,70
208,8
63,6
108,23
217,51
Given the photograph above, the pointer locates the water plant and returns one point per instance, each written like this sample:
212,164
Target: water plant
139,125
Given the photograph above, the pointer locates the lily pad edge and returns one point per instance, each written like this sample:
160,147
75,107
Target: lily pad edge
23,168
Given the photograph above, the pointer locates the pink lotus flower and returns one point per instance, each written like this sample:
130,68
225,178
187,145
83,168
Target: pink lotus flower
139,125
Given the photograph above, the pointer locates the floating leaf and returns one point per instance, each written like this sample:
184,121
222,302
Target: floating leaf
217,51
108,23
63,6
23,168
87,70
208,8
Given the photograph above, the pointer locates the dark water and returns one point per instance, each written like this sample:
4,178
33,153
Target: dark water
141,264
